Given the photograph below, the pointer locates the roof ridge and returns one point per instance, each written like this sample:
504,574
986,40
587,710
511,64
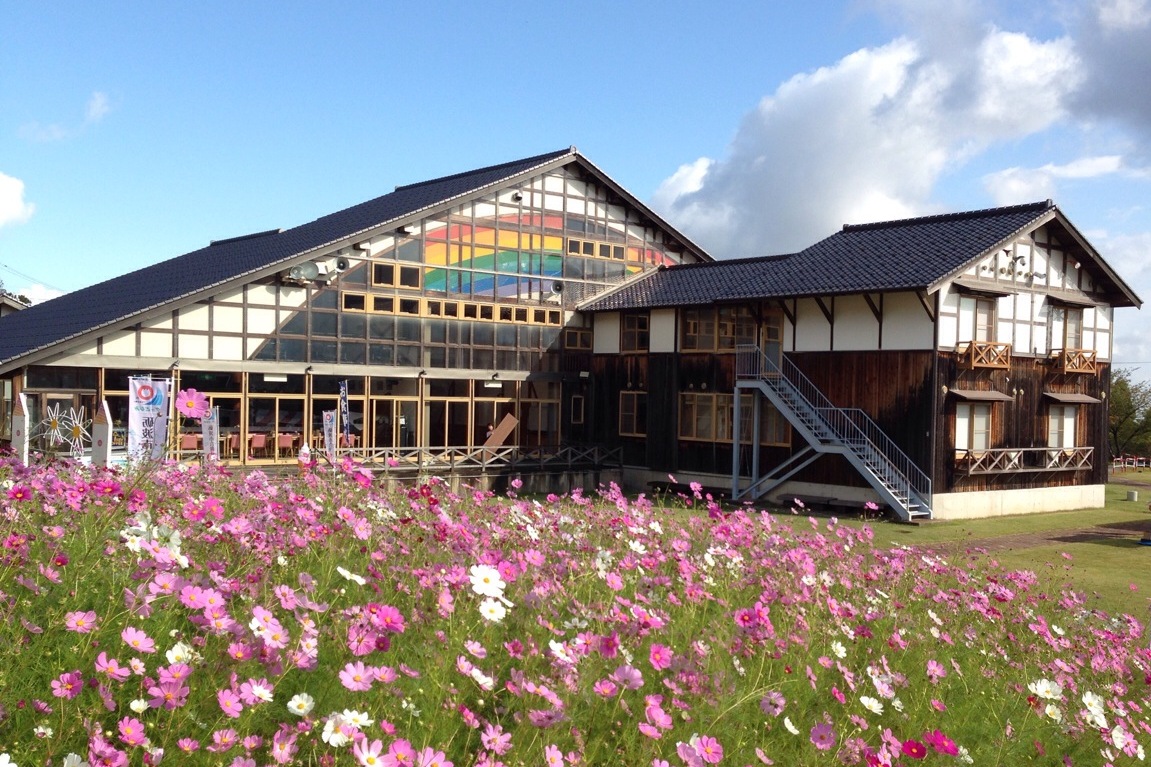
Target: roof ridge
1038,206
744,260
540,158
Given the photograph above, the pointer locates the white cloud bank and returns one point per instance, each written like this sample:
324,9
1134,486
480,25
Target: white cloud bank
867,139
14,209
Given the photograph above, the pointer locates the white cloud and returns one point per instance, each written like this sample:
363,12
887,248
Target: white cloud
1017,185
867,139
1123,14
96,109
36,293
14,209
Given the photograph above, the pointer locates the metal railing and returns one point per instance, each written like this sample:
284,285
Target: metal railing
1023,459
481,459
849,427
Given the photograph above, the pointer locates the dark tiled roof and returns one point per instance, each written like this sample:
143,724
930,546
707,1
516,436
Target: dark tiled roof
121,298
887,256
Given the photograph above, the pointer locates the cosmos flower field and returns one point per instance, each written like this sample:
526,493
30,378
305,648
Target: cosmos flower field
187,615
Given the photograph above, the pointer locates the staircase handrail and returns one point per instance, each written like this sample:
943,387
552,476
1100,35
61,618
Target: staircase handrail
752,362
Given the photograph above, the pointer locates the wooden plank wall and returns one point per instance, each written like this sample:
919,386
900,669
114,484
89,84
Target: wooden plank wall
893,387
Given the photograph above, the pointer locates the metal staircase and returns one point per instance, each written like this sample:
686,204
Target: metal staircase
826,429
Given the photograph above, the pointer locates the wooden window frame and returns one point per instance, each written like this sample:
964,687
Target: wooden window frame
635,332
632,410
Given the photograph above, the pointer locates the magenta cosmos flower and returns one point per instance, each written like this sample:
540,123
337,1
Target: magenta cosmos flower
80,622
914,749
192,404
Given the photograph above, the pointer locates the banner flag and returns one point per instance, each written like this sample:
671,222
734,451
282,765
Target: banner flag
330,434
345,416
147,401
210,431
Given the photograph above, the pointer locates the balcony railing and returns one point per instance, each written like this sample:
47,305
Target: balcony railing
985,354
1073,360
1023,459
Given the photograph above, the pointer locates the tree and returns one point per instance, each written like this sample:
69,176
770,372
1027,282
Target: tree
1129,428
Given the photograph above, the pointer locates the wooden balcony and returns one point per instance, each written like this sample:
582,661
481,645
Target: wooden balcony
1023,459
1074,361
984,354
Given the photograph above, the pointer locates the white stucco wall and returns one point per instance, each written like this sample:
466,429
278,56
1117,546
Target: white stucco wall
856,328
662,327
812,331
605,333
905,323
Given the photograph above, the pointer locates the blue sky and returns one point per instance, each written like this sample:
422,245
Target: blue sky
132,132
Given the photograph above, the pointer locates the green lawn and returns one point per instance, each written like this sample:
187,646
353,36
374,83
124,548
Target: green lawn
1113,572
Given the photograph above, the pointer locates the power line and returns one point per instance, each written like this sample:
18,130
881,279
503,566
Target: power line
30,277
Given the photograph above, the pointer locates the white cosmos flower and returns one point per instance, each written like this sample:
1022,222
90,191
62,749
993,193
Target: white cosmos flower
838,649
493,610
871,704
181,652
357,579
486,581
790,727
301,704
139,705
482,679
74,760
1093,702
357,719
1046,689
1119,737
1053,712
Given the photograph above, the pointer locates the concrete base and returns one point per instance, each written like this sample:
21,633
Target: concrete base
999,503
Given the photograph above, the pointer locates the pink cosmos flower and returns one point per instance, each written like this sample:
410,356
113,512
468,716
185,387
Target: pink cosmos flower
111,667
941,743
188,745
132,731
429,757
400,754
553,757
80,622
68,685
495,739
709,749
822,736
628,677
368,752
230,703
192,404
356,677
138,640
168,694
660,656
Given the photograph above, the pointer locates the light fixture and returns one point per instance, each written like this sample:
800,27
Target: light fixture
308,370
175,365
1077,264
517,196
406,230
1018,258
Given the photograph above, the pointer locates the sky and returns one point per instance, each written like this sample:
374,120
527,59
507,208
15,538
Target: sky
133,132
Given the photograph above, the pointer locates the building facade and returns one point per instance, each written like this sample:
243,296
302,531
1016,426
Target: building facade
539,295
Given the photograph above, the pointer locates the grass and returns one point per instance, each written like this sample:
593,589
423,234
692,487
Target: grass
1113,572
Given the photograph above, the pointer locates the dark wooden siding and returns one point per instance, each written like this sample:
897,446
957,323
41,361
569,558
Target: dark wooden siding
893,387
1023,422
